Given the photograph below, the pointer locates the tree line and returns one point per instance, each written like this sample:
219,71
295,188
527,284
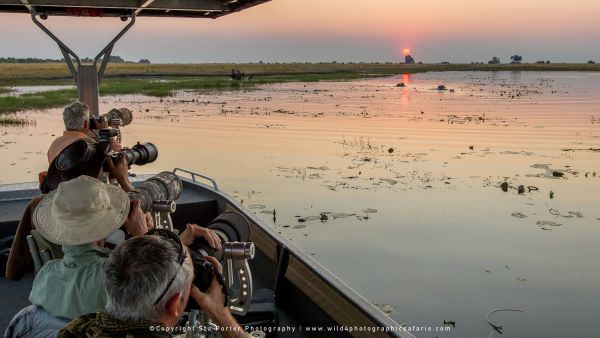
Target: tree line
113,59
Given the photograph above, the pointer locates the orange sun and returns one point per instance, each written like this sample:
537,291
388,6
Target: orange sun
406,51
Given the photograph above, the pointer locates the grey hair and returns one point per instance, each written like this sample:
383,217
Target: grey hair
138,271
75,115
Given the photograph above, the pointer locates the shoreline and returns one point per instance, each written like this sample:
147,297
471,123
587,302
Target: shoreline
162,80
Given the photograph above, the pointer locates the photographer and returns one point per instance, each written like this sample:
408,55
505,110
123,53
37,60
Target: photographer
79,215
76,117
83,157
149,282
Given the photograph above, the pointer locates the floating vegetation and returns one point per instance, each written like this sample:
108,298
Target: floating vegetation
14,121
385,308
549,223
498,328
449,323
572,214
549,172
518,215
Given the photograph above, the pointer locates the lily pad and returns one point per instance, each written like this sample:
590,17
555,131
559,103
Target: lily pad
385,308
518,215
549,223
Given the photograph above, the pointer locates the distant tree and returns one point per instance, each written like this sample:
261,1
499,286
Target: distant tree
516,59
591,62
116,59
494,61
548,62
409,59
146,61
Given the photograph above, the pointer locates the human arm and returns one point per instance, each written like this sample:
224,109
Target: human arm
212,302
120,172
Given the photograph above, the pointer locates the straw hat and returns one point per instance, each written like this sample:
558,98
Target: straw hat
81,211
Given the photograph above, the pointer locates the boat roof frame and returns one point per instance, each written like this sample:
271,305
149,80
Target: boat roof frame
153,8
88,76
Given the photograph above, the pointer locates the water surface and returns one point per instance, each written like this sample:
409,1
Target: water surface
397,190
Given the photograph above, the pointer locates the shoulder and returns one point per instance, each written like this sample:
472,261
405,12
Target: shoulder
77,326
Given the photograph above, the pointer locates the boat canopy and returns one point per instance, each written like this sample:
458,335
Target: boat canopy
88,76
156,8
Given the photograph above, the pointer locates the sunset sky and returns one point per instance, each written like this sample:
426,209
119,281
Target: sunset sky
342,30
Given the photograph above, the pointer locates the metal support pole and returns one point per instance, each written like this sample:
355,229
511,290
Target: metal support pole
87,77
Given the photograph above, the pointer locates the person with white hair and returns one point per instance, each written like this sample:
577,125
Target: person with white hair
76,117
148,283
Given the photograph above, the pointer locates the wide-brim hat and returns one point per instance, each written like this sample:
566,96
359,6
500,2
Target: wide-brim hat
81,211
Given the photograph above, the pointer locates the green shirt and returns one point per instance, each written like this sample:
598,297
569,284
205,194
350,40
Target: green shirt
74,285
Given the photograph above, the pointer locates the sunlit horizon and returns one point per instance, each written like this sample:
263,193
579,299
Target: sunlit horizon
336,30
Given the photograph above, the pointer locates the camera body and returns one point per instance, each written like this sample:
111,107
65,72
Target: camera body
234,231
139,154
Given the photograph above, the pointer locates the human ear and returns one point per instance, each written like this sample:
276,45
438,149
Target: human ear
173,306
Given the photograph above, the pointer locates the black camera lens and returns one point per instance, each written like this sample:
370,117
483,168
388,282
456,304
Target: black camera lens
141,153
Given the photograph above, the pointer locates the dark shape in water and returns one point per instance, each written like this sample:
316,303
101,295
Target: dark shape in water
504,186
450,323
324,217
532,188
401,84
441,87
551,194
472,147
521,189
391,150
557,174
301,220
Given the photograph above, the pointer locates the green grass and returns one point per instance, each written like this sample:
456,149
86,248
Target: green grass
55,98
160,87
13,120
144,79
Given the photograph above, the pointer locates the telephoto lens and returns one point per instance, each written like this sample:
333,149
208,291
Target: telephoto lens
140,154
164,186
234,231
116,116
124,115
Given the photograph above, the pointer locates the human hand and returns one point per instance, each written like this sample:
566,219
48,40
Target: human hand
115,145
212,301
193,231
120,172
137,223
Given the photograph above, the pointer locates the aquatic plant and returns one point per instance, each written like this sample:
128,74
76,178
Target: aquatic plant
13,120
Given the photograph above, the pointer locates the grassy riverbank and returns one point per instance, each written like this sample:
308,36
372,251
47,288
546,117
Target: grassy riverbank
163,79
